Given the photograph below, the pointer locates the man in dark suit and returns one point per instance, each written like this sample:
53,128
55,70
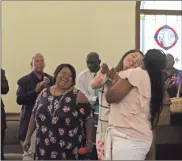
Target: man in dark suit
29,88
4,90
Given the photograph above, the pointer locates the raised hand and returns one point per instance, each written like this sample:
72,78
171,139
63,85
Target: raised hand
46,80
169,83
26,145
104,68
39,86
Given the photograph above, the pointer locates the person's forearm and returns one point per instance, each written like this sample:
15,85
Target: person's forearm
89,129
96,84
97,81
31,127
166,99
180,91
108,94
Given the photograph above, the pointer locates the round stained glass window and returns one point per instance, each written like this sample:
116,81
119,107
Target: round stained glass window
166,37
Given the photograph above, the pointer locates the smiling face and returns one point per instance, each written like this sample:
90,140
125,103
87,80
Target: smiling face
64,78
132,60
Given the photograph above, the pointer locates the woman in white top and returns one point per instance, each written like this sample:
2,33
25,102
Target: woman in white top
136,101
104,107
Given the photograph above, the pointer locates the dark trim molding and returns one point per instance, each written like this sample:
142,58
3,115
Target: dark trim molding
12,116
137,27
160,12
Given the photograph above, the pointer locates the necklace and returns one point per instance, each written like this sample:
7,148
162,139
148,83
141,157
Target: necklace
53,110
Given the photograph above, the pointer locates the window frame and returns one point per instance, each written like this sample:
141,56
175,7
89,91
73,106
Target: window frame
139,11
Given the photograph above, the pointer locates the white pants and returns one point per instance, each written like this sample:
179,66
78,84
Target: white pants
119,146
100,138
31,151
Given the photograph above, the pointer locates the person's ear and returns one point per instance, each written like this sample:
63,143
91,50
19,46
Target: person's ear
31,65
173,62
44,64
99,62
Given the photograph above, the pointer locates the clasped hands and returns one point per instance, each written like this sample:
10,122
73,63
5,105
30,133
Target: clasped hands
111,74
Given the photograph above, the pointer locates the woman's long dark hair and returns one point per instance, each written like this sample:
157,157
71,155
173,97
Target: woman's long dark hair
119,66
155,62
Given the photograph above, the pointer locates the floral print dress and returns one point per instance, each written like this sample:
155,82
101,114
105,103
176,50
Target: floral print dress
60,126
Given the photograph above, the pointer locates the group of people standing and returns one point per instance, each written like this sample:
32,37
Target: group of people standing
110,115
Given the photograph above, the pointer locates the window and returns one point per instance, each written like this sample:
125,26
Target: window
161,5
159,25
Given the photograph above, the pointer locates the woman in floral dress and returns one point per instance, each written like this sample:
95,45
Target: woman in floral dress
63,119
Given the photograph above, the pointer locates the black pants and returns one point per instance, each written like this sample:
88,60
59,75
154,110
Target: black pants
168,152
2,144
93,154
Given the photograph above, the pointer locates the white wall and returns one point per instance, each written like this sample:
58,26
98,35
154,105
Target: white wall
63,32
